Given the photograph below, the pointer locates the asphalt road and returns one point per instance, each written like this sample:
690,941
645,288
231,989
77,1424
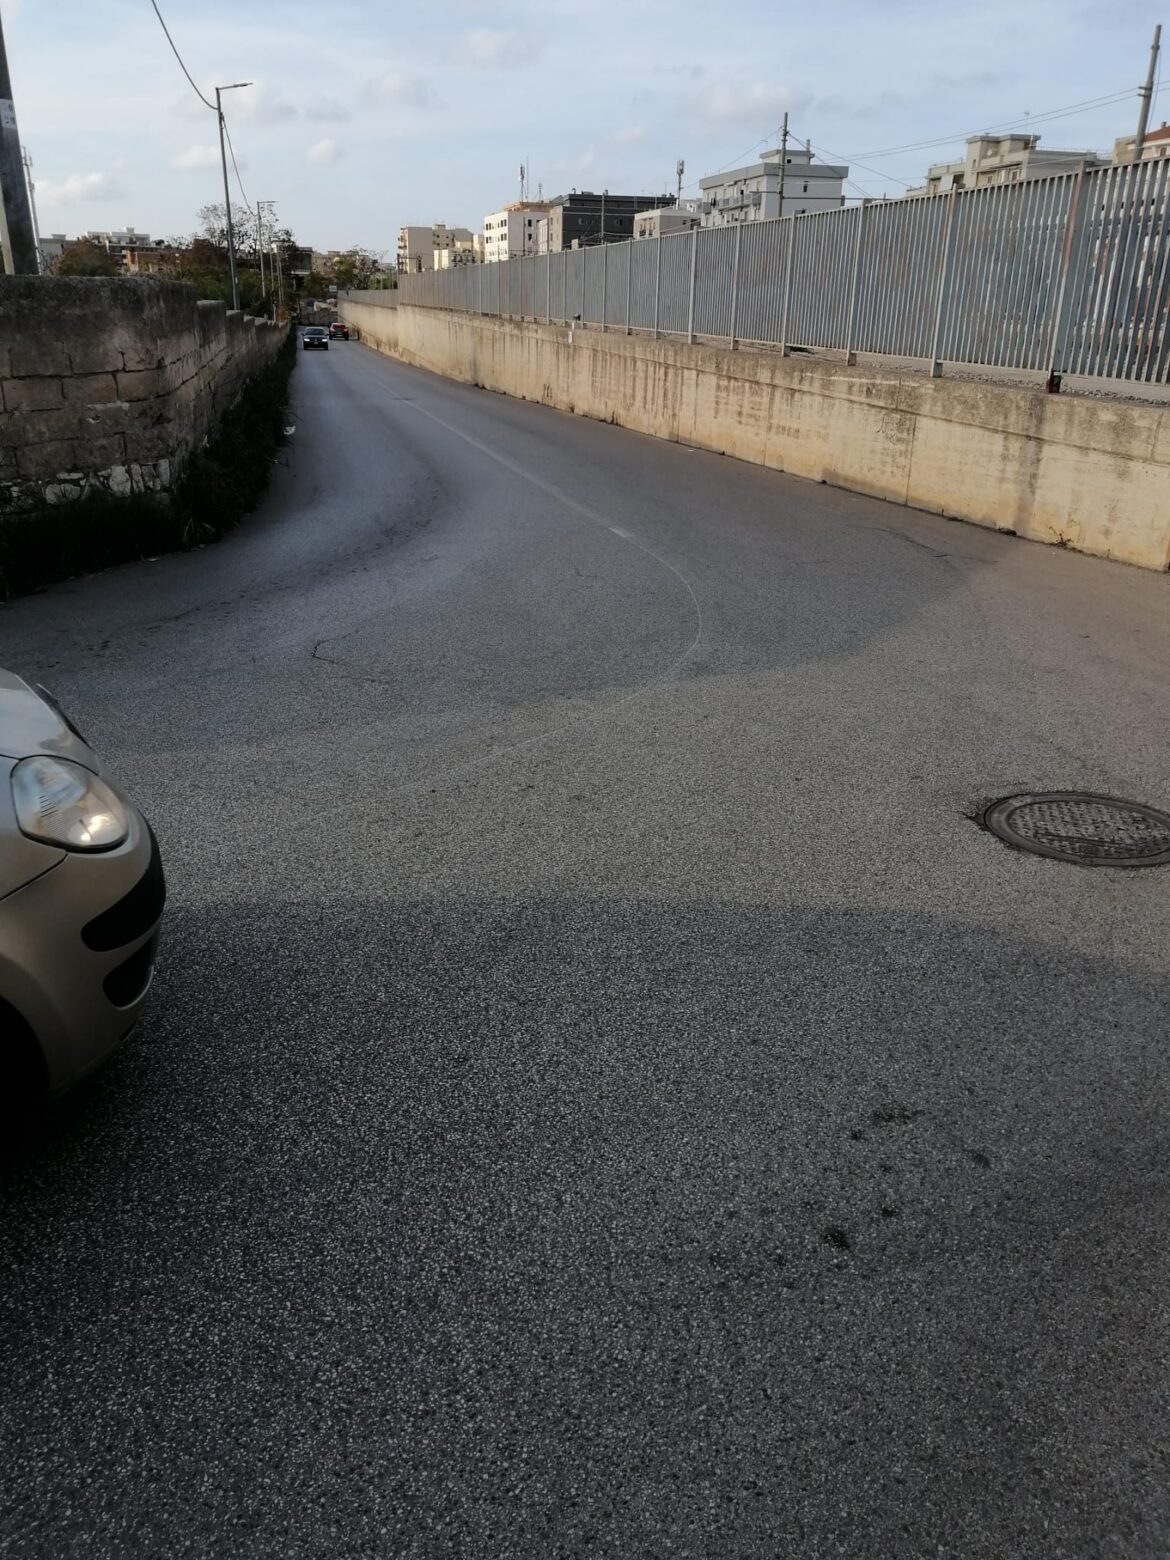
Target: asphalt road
603,1094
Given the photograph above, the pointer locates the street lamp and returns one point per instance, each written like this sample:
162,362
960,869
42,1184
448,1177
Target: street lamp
227,196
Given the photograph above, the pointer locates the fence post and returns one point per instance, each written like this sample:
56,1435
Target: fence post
787,286
1058,344
850,354
629,280
735,282
691,305
584,253
944,278
604,271
548,287
657,280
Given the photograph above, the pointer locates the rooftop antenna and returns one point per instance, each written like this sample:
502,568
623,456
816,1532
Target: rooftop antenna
523,177
680,168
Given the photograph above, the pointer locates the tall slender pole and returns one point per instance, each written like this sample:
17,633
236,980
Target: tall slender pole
17,220
32,201
260,242
227,197
783,161
1146,94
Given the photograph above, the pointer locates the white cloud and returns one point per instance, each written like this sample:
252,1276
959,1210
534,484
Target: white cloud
757,103
78,187
328,109
322,153
628,135
397,86
491,47
256,105
579,164
198,157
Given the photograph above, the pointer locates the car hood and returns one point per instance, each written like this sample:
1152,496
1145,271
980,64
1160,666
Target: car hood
29,725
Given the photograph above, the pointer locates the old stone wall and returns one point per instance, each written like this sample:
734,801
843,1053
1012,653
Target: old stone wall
109,384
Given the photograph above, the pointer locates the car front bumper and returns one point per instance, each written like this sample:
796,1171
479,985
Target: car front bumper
77,949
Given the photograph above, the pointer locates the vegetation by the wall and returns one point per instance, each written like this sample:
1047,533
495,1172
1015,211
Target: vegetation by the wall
219,484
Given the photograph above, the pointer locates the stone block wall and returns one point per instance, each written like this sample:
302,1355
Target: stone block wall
109,384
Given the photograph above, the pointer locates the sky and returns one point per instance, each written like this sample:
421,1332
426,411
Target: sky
366,115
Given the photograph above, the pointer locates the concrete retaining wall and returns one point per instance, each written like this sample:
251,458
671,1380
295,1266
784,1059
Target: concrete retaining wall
108,385
1078,471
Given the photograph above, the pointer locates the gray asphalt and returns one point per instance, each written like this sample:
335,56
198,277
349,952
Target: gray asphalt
602,1094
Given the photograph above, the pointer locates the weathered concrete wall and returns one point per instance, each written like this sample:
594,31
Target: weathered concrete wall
1080,471
109,384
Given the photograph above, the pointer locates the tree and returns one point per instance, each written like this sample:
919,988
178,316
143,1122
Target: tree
85,258
356,268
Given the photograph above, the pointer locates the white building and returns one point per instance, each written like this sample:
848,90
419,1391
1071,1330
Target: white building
1002,159
665,219
462,252
752,194
513,231
417,245
1156,148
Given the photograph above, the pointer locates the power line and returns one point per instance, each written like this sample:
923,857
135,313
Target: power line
179,57
1006,124
838,157
236,166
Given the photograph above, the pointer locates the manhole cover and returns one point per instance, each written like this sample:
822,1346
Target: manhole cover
1093,831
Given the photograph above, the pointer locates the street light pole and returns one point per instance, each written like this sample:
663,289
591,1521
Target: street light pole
227,194
1146,94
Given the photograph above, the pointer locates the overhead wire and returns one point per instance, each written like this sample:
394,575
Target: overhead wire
179,57
236,166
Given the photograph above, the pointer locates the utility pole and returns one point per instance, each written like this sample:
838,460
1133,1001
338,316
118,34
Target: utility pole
21,257
680,168
783,160
1146,94
227,194
603,195
32,201
260,243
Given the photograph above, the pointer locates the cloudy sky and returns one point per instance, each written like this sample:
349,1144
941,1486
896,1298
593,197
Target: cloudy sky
366,115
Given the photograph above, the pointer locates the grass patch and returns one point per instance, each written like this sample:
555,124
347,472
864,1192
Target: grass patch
220,484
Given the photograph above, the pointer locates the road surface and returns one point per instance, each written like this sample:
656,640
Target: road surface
602,1094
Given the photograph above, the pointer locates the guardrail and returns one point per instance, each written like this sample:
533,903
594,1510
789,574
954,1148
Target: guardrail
1062,275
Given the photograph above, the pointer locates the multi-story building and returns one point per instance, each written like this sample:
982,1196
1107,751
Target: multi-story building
1155,149
462,252
512,231
583,217
123,246
1002,159
784,183
417,245
663,220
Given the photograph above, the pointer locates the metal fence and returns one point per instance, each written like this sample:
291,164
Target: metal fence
1069,274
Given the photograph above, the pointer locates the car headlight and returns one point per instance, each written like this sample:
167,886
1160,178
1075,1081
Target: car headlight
60,803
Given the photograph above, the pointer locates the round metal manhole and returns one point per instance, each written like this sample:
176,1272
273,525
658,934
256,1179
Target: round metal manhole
1092,831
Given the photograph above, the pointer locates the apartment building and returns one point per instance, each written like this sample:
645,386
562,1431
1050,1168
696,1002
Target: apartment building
513,231
1003,159
788,178
417,246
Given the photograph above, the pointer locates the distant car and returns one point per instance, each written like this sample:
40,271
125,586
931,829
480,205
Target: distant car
81,898
339,328
316,336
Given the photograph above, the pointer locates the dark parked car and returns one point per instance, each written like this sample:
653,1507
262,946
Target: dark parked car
339,328
315,336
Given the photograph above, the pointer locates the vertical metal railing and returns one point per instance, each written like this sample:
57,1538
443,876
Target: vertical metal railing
1068,274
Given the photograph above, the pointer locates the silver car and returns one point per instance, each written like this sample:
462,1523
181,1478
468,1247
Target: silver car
81,896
